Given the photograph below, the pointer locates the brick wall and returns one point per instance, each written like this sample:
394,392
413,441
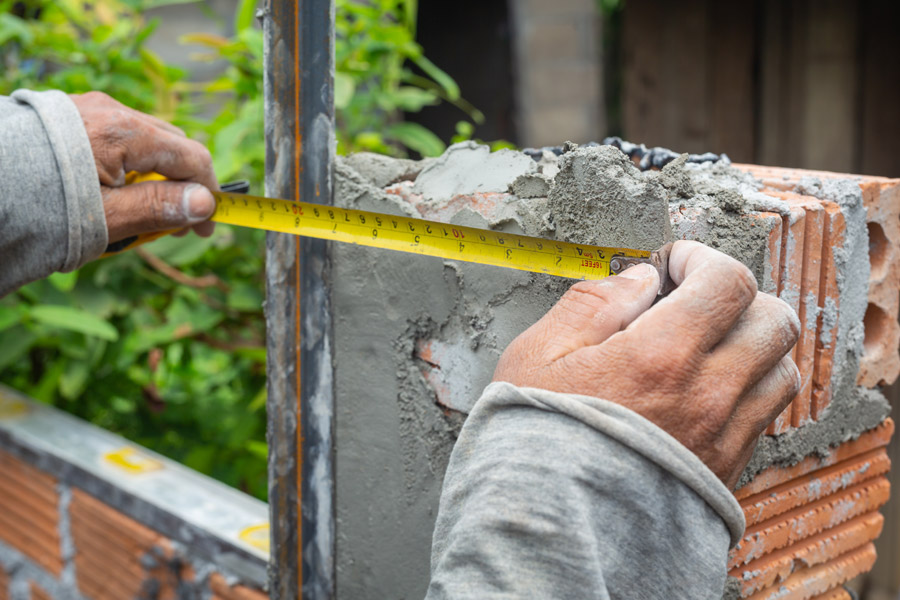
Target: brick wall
811,524
75,525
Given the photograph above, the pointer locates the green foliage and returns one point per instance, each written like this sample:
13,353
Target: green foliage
375,80
165,345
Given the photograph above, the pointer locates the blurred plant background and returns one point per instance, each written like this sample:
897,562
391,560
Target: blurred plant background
166,345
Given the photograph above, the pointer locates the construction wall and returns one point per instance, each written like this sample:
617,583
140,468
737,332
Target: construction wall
85,514
420,338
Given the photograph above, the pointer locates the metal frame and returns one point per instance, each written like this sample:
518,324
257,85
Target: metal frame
299,92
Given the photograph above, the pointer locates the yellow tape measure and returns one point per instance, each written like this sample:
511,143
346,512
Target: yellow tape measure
417,236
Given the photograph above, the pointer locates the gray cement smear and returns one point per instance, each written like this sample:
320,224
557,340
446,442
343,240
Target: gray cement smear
467,168
599,197
394,438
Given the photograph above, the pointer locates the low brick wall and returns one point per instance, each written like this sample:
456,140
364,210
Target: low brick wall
88,515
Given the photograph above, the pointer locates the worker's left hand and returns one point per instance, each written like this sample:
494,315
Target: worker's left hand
126,140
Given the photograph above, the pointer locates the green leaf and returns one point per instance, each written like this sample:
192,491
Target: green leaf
444,80
14,343
416,137
14,28
412,99
180,252
9,316
74,319
344,88
244,297
74,379
245,14
64,282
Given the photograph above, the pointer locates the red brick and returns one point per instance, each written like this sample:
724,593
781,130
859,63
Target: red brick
809,294
880,362
793,229
773,476
829,297
109,547
39,593
29,521
776,567
821,579
820,484
223,591
835,594
808,520
4,585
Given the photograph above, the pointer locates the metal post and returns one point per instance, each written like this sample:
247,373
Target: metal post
299,86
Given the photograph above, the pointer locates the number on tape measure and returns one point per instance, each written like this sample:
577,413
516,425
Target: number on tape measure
419,236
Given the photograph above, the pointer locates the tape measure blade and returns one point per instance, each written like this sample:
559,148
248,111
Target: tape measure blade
418,236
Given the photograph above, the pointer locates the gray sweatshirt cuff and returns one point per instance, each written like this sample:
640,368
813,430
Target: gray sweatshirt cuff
643,437
65,130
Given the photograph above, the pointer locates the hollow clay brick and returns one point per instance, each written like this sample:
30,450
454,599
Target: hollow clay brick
835,594
773,476
774,568
880,362
829,302
820,484
109,548
29,521
222,590
808,520
809,294
793,229
39,593
821,579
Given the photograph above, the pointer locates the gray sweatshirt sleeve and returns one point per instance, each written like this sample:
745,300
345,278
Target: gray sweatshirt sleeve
51,210
561,496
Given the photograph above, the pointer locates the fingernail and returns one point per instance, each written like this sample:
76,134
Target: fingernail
198,203
638,271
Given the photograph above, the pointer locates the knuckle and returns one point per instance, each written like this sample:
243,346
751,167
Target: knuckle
158,212
743,281
789,377
780,315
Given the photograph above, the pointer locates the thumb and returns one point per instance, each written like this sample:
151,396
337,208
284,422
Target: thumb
155,206
592,311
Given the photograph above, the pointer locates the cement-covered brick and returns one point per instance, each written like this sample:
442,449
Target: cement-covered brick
880,363
777,475
772,570
823,578
808,520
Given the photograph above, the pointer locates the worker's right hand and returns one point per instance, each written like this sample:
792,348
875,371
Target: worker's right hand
123,140
708,363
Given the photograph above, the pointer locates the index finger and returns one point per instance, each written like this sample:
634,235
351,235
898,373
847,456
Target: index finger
161,151
713,292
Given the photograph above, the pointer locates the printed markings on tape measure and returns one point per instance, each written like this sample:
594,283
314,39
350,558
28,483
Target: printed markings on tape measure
407,234
256,536
132,460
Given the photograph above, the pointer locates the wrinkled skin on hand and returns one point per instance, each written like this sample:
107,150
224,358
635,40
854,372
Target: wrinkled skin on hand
126,140
708,364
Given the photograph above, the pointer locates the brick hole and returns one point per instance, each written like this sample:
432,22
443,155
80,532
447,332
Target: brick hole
878,251
877,327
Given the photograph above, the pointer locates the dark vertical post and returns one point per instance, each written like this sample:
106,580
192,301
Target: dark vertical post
299,84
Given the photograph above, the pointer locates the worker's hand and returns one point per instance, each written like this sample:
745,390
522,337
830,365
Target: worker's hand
126,140
707,364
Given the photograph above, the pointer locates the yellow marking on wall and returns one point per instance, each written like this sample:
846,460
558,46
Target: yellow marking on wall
132,460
